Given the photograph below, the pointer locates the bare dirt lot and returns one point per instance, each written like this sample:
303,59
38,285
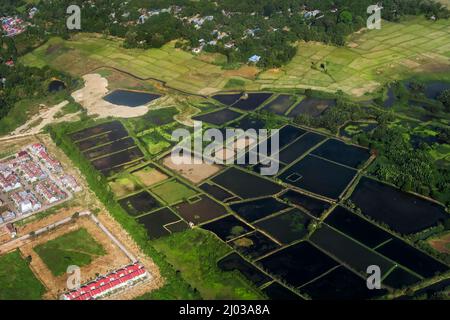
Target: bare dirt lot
150,176
441,244
195,173
91,98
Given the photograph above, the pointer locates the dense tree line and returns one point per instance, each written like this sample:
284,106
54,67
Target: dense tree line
277,25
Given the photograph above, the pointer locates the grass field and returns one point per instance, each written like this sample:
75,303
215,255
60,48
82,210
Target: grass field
17,281
195,254
124,184
74,248
370,59
173,191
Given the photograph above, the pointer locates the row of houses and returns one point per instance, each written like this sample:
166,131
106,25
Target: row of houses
9,181
111,283
40,151
25,202
12,26
50,191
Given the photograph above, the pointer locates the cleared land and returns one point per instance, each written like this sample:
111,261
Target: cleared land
74,248
193,172
370,59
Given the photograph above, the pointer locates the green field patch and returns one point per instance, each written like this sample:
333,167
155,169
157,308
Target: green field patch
195,253
74,248
173,191
17,281
123,185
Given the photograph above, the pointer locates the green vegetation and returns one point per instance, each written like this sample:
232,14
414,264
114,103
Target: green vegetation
354,69
153,119
17,281
173,191
195,254
123,184
71,107
74,248
175,288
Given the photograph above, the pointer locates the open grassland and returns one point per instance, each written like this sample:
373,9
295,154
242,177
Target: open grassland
195,254
74,248
17,281
370,59
86,52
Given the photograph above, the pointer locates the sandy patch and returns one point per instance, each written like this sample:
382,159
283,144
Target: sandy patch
441,244
91,98
249,72
150,176
195,173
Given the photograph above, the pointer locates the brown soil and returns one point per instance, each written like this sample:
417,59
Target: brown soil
193,172
441,244
150,177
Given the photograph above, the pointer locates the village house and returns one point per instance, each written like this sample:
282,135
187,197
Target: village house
9,181
25,202
254,59
8,216
113,282
71,183
32,172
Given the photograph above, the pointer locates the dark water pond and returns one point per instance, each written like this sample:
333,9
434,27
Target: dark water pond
130,98
319,176
154,222
432,88
216,191
314,206
344,249
219,117
276,291
294,151
298,264
235,262
139,203
257,209
389,102
56,85
412,258
357,227
313,107
342,153
92,131
286,227
227,99
401,211
246,185
400,278
228,228
254,245
252,101
280,104
200,211
340,284
117,159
